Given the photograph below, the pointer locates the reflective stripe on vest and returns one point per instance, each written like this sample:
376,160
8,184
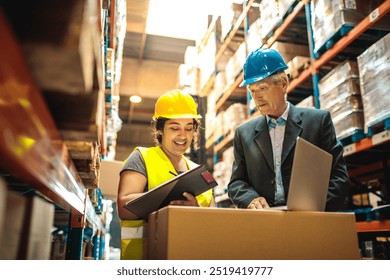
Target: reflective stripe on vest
159,169
133,232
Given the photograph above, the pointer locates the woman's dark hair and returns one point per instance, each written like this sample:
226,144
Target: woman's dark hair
158,127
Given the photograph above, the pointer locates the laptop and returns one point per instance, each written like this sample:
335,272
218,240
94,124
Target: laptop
310,177
194,181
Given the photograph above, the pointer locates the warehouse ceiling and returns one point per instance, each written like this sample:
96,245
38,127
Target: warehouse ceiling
140,45
144,47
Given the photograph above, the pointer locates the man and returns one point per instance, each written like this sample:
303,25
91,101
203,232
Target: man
264,146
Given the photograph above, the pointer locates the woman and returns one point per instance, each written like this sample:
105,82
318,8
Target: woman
175,126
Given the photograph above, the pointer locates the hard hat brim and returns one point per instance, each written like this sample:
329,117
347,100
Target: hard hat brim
259,78
179,116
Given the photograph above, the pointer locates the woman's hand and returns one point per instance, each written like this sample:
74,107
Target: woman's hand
191,200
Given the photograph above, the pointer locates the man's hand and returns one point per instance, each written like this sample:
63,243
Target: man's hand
258,203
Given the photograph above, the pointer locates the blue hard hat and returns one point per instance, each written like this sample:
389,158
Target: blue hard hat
262,63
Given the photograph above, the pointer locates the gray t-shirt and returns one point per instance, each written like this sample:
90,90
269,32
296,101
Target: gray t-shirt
135,162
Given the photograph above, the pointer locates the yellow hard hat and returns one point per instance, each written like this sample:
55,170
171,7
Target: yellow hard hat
175,104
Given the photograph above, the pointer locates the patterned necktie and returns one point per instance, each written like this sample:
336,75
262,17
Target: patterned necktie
272,123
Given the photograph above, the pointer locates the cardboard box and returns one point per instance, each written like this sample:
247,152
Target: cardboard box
109,178
15,209
3,203
37,228
178,233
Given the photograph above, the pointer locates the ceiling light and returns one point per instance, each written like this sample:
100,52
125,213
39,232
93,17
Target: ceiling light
135,99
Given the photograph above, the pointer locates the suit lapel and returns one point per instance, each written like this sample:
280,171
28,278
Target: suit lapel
263,140
293,130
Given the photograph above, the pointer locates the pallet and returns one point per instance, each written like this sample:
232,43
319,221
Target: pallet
378,125
279,22
344,29
356,136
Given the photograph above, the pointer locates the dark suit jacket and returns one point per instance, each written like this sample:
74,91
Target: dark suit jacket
253,169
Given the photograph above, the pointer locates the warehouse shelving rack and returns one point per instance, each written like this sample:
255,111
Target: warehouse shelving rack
34,142
352,151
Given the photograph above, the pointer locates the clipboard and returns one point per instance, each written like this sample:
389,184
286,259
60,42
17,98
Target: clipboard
194,181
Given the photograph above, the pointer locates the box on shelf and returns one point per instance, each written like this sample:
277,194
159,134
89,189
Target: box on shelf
253,39
15,211
210,123
185,233
289,50
349,123
333,19
220,170
308,102
223,171
297,65
345,70
36,243
340,93
109,178
230,12
191,56
272,14
3,203
235,64
219,84
206,60
374,68
189,78
234,115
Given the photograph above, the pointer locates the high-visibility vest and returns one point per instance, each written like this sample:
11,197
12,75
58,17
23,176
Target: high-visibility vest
159,169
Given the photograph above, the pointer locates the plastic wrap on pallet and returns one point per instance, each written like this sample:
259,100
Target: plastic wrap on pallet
210,124
220,169
374,67
347,116
350,123
343,108
284,6
230,12
219,128
191,56
340,93
269,16
189,78
289,51
206,59
297,65
219,84
272,13
253,39
235,64
328,17
346,70
234,115
308,102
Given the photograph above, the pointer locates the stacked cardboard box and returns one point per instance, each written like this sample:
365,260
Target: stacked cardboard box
374,68
272,14
308,102
223,171
27,228
329,18
230,12
340,95
235,64
289,50
234,115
